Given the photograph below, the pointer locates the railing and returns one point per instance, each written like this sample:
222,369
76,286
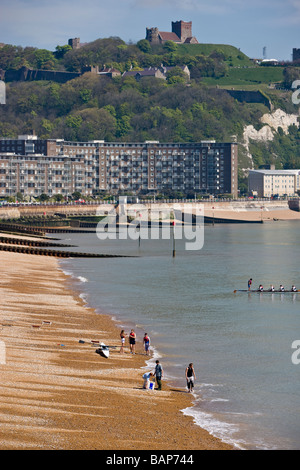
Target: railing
149,199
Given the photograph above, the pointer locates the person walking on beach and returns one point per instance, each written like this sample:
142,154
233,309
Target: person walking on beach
132,341
122,336
158,374
147,344
190,377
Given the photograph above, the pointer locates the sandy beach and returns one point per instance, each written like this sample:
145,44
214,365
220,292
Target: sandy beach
57,393
265,214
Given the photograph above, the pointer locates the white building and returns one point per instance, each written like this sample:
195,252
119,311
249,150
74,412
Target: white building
268,183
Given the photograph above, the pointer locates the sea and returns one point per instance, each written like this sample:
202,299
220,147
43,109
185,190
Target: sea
245,347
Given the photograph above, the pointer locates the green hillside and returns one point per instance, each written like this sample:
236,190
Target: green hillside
232,56
93,107
254,75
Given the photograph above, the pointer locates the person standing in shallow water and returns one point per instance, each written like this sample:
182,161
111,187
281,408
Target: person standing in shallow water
190,377
249,284
158,374
147,344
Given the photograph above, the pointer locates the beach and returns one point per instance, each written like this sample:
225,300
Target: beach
266,214
57,394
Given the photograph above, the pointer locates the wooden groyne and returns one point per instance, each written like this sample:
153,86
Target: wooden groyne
56,253
18,228
39,231
219,220
31,242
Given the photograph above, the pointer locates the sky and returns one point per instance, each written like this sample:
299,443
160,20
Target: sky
250,25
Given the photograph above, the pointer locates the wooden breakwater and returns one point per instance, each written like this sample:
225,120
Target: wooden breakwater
32,242
39,231
56,253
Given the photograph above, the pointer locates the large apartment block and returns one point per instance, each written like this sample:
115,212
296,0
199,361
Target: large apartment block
33,166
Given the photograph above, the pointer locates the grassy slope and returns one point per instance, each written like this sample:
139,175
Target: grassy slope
233,56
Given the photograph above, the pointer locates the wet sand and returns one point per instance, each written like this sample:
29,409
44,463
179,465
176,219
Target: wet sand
58,394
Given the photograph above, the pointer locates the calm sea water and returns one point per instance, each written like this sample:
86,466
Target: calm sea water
247,390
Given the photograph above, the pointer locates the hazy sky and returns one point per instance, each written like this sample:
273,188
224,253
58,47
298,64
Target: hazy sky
249,25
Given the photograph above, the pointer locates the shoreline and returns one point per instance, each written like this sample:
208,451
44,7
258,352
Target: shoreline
58,394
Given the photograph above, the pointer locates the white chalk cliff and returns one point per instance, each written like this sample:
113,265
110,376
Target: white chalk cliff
272,121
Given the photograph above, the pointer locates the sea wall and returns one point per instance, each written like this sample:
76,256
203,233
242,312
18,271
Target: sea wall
14,212
294,205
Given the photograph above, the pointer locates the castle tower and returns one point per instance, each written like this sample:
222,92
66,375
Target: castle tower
74,43
182,29
152,35
296,55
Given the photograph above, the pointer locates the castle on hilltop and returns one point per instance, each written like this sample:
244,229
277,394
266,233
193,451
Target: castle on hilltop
296,55
181,34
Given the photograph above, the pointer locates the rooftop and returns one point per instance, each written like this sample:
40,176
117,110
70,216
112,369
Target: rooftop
276,172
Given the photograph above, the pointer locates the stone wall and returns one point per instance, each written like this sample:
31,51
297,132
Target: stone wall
25,74
250,97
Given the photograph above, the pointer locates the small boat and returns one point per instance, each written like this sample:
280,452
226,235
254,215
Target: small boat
267,291
103,350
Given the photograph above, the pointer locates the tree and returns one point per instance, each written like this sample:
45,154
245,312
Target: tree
62,50
176,75
170,46
76,196
93,123
144,45
43,197
290,74
45,59
59,198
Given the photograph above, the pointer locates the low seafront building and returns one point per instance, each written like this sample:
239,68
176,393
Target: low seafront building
35,166
269,183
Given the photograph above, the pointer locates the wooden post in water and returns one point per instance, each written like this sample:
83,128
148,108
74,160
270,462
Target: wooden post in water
174,250
140,215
